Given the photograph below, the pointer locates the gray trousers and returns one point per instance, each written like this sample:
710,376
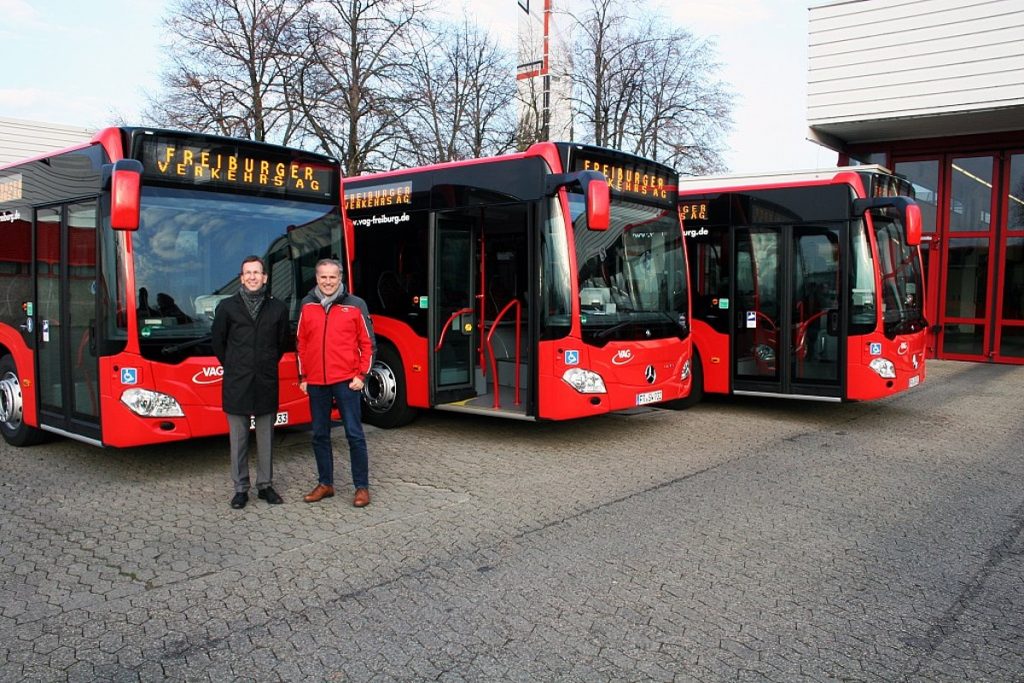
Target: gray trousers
238,434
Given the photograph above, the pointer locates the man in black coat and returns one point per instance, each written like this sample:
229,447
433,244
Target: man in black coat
249,335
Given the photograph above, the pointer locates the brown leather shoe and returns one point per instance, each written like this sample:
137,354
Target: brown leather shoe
361,499
319,493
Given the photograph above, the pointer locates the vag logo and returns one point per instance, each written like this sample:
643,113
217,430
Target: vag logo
209,375
622,356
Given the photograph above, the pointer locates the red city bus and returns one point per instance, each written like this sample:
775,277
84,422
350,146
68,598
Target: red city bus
549,284
116,255
806,284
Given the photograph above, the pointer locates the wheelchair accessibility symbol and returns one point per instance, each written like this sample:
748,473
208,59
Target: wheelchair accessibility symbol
129,375
572,357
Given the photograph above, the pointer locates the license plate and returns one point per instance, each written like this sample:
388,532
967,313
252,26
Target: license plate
915,380
648,397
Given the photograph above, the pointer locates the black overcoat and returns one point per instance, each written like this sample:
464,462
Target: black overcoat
249,351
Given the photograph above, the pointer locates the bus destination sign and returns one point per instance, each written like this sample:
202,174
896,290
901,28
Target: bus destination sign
193,161
378,196
694,210
10,188
634,180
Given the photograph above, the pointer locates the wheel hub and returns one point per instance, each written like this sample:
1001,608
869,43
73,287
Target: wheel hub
11,406
381,388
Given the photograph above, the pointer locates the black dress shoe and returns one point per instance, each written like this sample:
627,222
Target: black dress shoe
270,495
239,501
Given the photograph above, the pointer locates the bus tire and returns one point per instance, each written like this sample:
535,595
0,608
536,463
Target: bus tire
12,422
384,398
696,386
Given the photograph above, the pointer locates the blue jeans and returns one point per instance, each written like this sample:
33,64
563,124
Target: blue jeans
350,407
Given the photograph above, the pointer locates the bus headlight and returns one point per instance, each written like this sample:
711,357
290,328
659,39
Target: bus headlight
151,403
686,370
584,381
883,367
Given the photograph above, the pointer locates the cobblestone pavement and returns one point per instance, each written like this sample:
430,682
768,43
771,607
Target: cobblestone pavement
736,541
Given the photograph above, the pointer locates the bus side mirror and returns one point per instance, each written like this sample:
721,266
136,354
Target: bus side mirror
912,221
909,211
599,201
125,194
596,193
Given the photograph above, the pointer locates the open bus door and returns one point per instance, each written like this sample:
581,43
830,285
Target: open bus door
479,325
787,327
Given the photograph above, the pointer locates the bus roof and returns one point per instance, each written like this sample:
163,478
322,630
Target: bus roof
768,179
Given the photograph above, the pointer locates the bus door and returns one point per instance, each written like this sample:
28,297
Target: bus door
66,272
787,323
454,308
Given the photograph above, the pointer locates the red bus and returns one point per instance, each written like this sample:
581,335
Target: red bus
544,285
806,284
116,253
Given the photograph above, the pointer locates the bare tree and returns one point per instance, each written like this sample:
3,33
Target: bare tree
347,88
530,127
229,66
682,112
647,88
368,81
462,94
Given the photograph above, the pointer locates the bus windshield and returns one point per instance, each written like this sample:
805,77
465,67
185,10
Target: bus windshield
632,277
901,279
190,245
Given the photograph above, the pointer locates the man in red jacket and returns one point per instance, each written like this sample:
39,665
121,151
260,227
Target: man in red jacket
335,345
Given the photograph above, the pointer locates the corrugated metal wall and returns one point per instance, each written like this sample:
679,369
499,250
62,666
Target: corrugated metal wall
874,59
26,139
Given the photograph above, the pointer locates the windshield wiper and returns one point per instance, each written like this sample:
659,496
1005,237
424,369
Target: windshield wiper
605,332
662,318
175,348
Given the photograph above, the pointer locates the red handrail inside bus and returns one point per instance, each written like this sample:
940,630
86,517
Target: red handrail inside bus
490,348
447,324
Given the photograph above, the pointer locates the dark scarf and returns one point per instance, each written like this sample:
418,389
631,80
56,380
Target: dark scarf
327,301
254,300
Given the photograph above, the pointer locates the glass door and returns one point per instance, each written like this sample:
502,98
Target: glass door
66,275
757,323
787,322
967,274
454,309
1009,318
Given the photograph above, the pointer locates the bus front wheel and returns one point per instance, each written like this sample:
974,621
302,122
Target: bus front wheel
12,408
384,401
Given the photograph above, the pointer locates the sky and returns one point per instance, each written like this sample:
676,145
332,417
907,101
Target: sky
89,63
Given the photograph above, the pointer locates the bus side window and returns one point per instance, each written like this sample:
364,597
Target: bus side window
394,300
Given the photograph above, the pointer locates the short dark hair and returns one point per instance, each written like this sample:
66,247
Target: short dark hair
254,259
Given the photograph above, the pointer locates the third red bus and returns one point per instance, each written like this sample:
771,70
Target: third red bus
805,284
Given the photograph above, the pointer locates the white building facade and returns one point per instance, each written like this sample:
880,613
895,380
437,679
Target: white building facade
21,140
934,89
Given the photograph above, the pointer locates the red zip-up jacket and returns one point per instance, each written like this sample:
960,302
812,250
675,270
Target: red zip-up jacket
337,344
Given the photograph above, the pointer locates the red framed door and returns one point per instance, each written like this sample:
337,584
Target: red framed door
1008,314
966,297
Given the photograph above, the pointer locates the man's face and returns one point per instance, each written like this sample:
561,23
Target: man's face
253,276
328,279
